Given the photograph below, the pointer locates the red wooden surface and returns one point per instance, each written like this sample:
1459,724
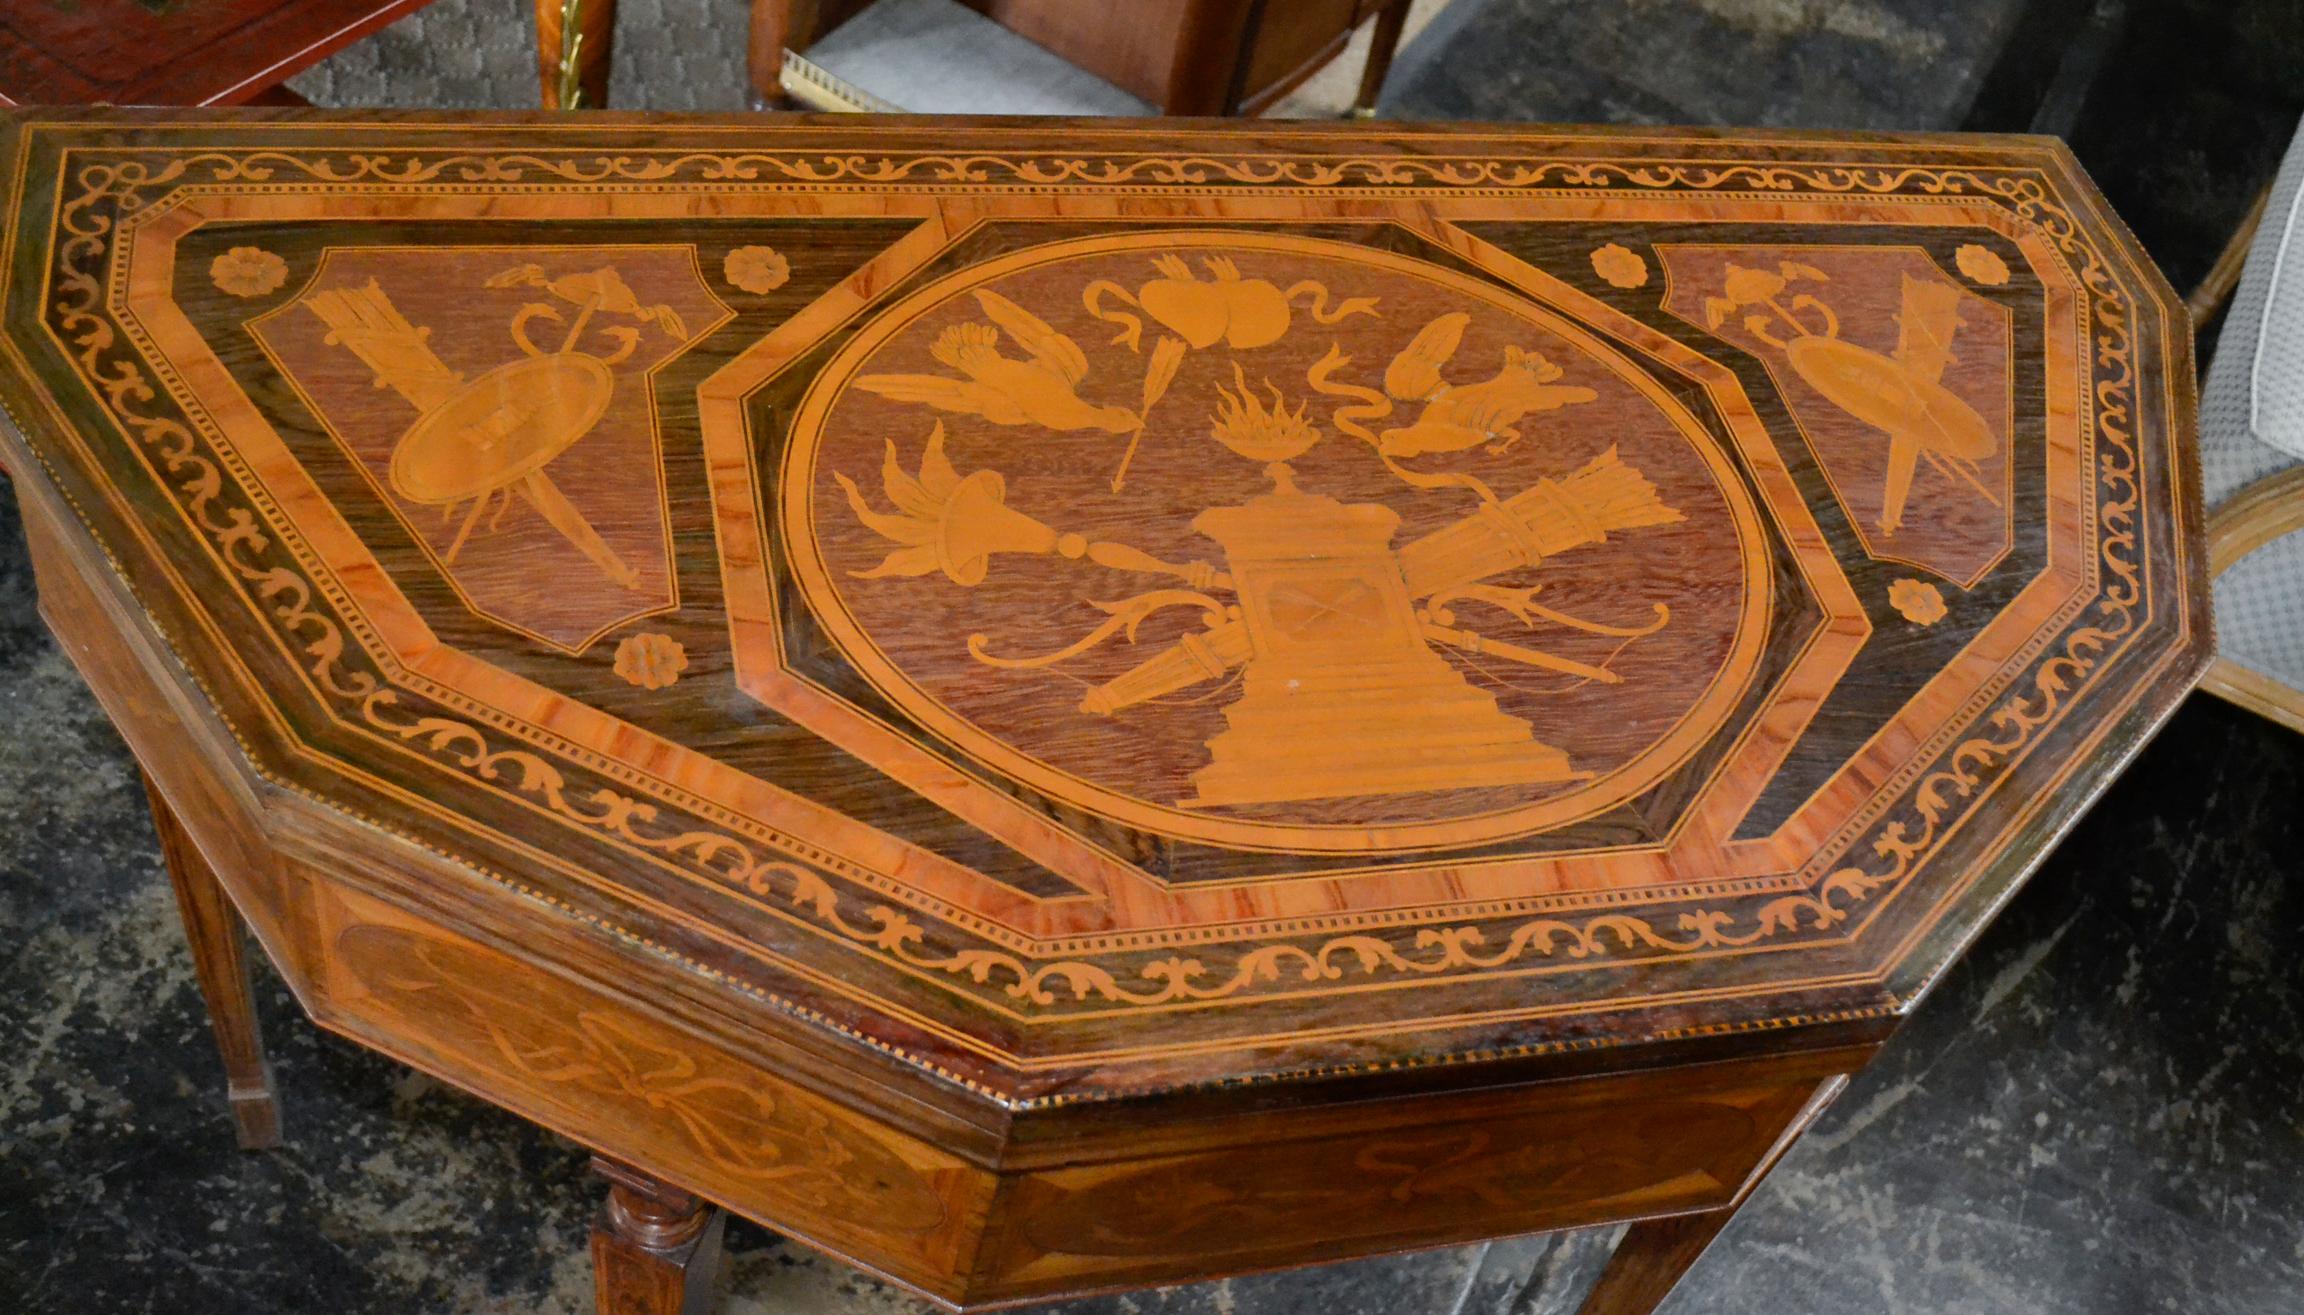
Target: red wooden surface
202,52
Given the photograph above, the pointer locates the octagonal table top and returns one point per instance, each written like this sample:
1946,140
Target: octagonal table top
1080,609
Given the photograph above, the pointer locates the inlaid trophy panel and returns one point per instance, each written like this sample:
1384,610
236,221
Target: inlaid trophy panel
1274,540
476,387
1899,378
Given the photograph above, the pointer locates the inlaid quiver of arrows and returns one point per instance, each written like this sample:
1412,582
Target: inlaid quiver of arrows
1548,517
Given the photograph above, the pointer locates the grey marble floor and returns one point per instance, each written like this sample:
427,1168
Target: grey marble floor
2100,1110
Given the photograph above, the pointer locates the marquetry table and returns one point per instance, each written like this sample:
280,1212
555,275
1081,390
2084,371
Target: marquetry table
1052,707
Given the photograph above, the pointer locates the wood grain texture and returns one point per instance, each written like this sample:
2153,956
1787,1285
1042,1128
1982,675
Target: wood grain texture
935,684
1308,705
581,1063
1138,53
1383,43
1292,40
1650,1261
2275,700
1196,57
2268,509
210,52
1562,1158
655,1249
218,939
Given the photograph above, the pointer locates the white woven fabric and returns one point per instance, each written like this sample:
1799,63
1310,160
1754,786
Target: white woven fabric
940,57
2276,367
2252,424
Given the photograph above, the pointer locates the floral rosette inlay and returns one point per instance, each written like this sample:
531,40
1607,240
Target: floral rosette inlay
651,660
1981,264
248,271
1621,266
1920,603
757,269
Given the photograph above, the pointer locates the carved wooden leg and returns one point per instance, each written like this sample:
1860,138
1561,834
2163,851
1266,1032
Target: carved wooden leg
655,1248
220,960
1384,44
573,38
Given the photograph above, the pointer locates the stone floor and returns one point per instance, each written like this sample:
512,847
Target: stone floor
2100,1110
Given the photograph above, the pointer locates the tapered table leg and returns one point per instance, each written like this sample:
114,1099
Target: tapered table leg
220,960
655,1248
1656,1253
1650,1261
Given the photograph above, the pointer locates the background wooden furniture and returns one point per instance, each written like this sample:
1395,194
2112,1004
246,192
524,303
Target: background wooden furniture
1187,57
1558,639
1207,56
574,44
217,52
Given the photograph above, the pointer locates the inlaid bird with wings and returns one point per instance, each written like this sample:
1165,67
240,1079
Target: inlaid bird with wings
1042,390
1461,416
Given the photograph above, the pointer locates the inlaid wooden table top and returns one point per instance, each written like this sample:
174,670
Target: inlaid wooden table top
1026,618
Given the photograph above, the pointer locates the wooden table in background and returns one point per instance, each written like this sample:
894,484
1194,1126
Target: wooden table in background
1048,708
199,52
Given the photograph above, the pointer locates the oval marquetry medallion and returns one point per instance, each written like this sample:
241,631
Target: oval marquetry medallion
1274,542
